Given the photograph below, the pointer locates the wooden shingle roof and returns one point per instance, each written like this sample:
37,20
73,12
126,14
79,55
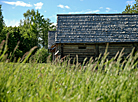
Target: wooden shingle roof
51,39
96,28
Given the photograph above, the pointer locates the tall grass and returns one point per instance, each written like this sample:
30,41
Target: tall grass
100,80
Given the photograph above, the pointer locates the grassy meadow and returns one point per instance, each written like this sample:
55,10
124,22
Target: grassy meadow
100,80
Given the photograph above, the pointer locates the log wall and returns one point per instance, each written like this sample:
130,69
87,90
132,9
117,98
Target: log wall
114,48
81,50
93,50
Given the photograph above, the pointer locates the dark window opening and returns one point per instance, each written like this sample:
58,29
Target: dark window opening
82,47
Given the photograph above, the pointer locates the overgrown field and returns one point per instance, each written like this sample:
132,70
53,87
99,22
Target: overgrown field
100,80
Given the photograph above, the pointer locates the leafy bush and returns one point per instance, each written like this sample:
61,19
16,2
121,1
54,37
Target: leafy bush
41,55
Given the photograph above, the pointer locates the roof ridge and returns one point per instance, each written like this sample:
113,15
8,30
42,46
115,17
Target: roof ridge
95,14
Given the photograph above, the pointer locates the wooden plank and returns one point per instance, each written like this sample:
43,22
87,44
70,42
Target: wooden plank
71,50
71,47
120,44
117,45
91,53
116,49
76,46
100,47
62,55
113,50
97,50
136,47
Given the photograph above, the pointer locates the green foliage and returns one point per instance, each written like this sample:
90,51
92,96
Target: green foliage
41,55
2,36
33,31
5,57
14,38
36,27
131,8
1,20
33,28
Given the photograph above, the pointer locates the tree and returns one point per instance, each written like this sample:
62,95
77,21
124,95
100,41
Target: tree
131,9
2,36
13,39
35,28
47,26
29,28
1,20
33,31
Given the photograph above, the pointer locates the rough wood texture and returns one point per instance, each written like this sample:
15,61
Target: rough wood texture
96,28
86,35
136,46
115,47
51,38
93,50
58,49
81,50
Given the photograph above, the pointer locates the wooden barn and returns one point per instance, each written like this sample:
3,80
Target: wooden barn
86,35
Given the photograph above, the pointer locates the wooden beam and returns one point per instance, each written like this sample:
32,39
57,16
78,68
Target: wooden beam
62,51
97,50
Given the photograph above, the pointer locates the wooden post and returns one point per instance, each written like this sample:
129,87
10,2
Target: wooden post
135,45
62,51
97,50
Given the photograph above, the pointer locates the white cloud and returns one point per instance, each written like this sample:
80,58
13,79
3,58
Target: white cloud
62,6
45,11
130,2
101,8
12,23
18,3
76,12
108,9
38,5
21,3
82,12
67,7
94,11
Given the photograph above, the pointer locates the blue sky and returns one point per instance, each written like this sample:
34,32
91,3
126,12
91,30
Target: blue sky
13,9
